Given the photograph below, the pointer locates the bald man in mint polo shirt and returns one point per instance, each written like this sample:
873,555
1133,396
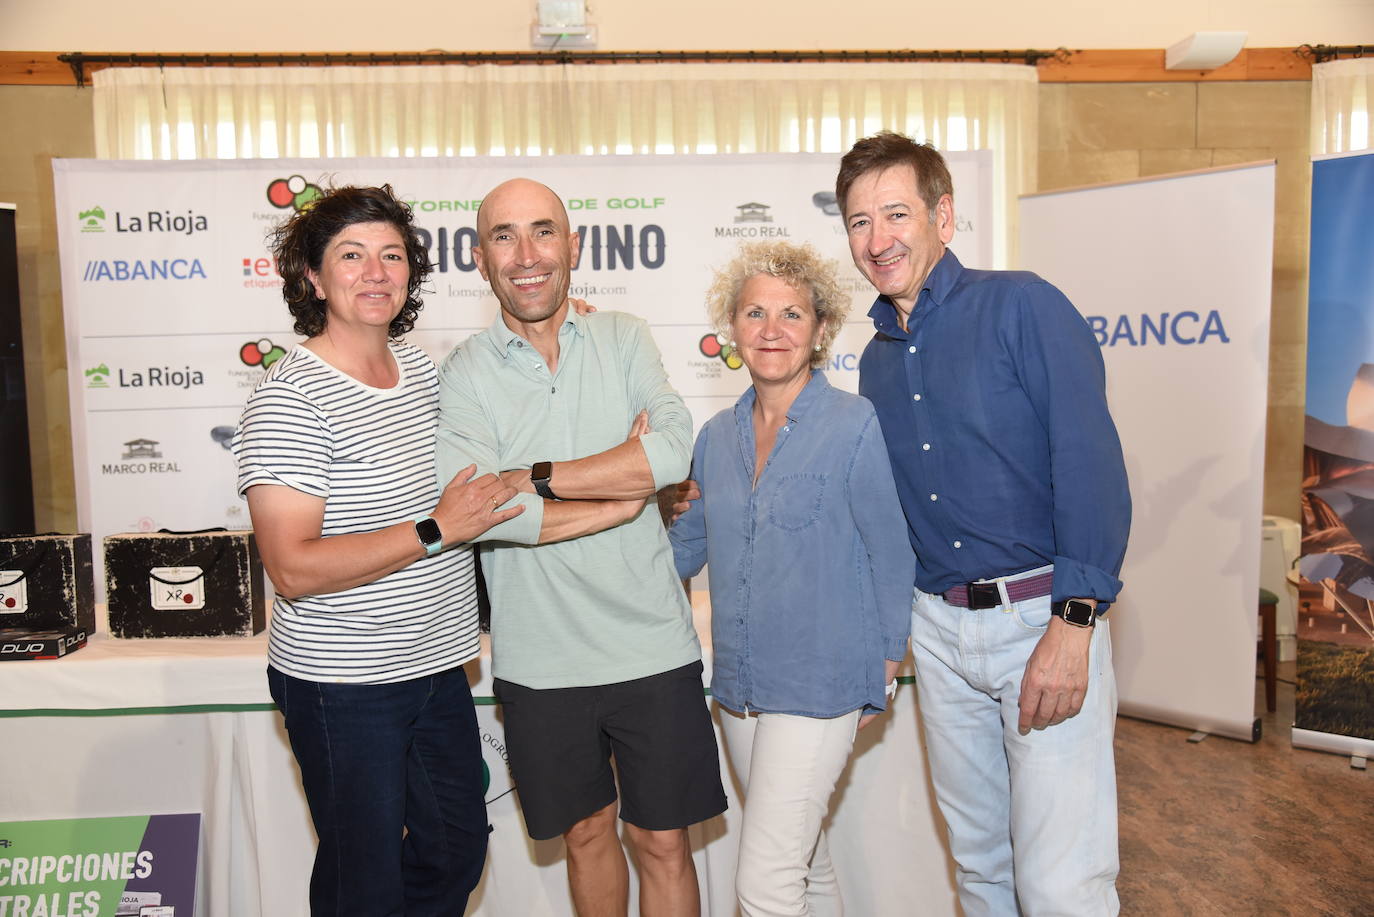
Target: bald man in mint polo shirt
594,653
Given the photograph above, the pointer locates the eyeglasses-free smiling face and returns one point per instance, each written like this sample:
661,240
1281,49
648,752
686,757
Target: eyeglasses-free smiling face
893,240
775,330
363,275
526,250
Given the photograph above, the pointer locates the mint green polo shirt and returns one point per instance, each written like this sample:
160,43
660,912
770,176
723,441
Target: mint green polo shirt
599,609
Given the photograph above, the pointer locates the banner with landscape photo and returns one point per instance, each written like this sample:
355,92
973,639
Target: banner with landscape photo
1335,692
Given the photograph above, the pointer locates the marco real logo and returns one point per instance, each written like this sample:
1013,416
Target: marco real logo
752,221
140,456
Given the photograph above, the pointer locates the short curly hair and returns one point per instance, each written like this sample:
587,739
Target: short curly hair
800,267
299,245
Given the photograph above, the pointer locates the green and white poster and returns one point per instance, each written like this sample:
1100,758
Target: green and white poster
134,866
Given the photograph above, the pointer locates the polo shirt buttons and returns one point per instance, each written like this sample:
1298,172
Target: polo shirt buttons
958,544
925,447
917,396
911,349
933,498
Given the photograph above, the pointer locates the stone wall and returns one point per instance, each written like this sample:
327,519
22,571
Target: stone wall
1102,132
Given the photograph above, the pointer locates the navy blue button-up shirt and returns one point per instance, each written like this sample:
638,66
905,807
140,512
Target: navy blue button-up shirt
810,570
993,405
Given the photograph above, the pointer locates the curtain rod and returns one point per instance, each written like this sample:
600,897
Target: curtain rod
79,60
1321,54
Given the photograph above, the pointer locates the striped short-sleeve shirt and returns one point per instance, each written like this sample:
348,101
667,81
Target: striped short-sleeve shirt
369,453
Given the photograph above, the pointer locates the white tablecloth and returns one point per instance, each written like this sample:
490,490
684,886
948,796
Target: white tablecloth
135,727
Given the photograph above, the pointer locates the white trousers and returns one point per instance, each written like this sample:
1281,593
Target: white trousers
1032,819
788,766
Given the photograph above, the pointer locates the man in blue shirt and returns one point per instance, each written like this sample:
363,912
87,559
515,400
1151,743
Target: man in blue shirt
990,390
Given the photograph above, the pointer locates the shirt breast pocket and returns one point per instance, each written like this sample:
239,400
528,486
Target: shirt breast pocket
796,502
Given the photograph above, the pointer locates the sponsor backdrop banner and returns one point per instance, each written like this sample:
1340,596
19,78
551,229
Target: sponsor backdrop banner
1335,694
1173,275
99,867
173,307
173,314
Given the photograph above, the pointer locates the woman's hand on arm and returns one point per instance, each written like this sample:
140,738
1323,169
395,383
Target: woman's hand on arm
301,561
468,506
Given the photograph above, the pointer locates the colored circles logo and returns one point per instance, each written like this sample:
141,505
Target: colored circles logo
294,192
712,346
261,353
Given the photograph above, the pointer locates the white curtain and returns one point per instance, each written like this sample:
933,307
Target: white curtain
232,112
1342,93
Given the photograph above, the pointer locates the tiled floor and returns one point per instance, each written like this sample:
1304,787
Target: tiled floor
1223,827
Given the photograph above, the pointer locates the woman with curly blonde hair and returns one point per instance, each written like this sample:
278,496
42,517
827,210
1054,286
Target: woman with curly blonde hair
806,548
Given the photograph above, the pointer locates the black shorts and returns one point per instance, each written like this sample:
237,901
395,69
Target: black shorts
658,730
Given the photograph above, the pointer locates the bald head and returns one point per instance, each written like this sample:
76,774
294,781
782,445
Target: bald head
524,192
526,251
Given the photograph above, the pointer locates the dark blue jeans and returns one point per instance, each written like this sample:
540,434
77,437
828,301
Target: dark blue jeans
393,776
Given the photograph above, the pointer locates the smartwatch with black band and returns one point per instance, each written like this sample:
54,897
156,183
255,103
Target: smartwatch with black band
539,477
430,535
1076,612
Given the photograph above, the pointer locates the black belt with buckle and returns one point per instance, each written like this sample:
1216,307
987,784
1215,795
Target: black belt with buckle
974,595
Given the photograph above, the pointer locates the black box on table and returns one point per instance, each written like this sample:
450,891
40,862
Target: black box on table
46,582
23,643
184,584
47,595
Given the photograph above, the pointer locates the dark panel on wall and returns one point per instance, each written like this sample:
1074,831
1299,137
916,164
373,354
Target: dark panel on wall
16,480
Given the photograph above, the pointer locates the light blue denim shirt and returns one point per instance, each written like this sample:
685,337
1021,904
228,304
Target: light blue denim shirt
810,571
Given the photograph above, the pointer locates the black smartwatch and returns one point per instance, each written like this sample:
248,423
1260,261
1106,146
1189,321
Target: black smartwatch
431,537
1076,612
539,477
429,534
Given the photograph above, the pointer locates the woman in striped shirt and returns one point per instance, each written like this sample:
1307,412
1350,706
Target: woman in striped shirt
374,616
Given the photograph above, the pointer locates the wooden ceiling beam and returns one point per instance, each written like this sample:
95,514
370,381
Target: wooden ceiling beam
44,68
